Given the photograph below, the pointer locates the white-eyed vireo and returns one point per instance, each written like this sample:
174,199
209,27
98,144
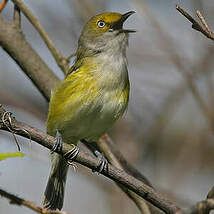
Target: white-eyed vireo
93,95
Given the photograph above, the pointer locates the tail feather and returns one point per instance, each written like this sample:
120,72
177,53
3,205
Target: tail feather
54,192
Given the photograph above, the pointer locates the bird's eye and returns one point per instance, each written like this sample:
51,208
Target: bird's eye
101,24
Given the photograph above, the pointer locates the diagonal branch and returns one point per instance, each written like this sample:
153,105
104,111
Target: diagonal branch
22,202
62,62
204,28
17,16
115,174
169,47
113,155
14,43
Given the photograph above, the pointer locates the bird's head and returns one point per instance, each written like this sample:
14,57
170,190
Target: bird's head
104,30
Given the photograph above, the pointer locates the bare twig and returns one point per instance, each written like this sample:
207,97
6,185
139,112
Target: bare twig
12,41
198,13
61,61
22,202
17,16
113,155
169,46
204,28
118,175
111,152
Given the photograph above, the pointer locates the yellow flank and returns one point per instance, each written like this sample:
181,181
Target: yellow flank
74,89
125,94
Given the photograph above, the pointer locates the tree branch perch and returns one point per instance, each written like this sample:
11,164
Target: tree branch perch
91,162
204,28
22,202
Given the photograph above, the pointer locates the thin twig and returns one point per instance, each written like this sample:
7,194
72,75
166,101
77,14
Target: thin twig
169,46
118,175
110,151
203,21
17,16
196,25
61,61
12,41
204,29
22,202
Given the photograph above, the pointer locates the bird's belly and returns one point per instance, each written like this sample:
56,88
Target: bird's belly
93,119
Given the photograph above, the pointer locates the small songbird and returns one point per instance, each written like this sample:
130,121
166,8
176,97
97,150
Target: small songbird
93,95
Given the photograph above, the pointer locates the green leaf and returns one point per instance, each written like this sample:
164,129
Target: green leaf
10,155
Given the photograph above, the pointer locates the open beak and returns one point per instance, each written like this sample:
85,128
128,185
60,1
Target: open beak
119,24
126,16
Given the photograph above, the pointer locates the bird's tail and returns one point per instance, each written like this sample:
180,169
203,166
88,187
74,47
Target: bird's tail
54,192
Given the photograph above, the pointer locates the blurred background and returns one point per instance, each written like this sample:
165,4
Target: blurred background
167,132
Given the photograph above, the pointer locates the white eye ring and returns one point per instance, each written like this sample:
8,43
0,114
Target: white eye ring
101,24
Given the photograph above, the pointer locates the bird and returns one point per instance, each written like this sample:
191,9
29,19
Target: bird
92,97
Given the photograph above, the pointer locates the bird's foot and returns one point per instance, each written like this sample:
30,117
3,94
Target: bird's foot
103,162
71,154
92,146
58,143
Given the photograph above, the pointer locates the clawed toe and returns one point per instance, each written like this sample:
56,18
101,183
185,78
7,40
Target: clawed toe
103,162
58,144
70,155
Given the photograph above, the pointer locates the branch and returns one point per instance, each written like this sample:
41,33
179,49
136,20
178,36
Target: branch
17,16
14,43
62,62
204,28
168,44
113,155
22,202
107,146
118,175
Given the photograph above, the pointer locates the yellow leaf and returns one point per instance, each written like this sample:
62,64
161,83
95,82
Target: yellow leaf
10,155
